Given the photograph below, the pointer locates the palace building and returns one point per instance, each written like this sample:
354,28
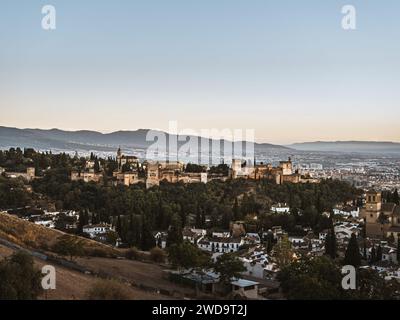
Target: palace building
281,174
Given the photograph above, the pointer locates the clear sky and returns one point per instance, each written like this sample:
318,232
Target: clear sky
285,68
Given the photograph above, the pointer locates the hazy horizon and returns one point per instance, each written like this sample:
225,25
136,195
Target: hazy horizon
156,129
283,68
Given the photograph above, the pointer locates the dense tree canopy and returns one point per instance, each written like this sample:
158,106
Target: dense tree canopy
321,279
138,212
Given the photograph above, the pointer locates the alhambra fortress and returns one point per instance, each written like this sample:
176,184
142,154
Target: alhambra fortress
131,171
382,219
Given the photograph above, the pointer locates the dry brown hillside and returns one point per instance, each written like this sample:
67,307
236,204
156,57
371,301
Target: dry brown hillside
27,234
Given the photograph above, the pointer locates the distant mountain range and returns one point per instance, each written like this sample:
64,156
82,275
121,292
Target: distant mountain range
84,140
375,147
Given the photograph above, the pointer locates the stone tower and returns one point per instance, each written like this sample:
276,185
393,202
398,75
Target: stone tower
119,155
371,211
373,201
153,178
30,172
287,167
236,168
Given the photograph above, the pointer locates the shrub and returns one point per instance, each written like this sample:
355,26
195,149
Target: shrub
157,255
19,279
132,254
108,290
69,246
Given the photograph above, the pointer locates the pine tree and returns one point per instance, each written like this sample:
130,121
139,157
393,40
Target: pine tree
352,255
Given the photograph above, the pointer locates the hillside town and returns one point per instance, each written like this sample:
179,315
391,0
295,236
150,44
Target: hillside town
264,236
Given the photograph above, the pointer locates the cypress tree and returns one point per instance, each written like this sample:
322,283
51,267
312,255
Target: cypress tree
395,197
96,166
237,215
330,241
198,217
119,226
147,239
270,244
373,255
379,254
365,249
352,255
398,248
364,229
175,231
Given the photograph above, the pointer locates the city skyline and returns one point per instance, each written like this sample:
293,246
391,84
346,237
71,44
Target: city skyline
287,70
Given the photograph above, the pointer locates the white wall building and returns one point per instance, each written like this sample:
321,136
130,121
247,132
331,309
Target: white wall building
96,229
347,211
220,244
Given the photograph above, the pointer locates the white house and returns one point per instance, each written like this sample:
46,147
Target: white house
161,239
252,238
345,230
193,235
258,263
221,234
46,223
247,288
220,244
389,254
348,211
96,229
317,245
298,242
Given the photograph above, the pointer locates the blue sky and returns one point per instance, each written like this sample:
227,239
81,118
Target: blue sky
284,68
